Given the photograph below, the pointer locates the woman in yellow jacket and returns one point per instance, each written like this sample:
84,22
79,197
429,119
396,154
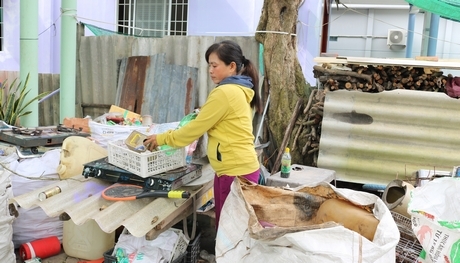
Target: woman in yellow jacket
227,118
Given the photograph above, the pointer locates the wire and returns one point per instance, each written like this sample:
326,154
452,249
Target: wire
52,25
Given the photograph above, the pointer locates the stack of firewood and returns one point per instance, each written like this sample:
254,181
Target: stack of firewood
370,78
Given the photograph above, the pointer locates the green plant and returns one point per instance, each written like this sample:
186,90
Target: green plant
12,104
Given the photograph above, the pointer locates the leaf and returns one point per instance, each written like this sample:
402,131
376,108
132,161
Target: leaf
14,104
38,97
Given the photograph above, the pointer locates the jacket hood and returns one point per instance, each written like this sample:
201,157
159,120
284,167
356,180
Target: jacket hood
239,80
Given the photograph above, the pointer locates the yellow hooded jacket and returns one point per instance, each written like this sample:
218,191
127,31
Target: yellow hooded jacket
227,117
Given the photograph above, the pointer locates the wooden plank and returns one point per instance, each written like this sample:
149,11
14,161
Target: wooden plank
133,83
182,211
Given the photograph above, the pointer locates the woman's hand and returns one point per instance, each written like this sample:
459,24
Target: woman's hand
151,142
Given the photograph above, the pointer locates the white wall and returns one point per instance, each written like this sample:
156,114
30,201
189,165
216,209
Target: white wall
101,13
223,17
206,17
363,33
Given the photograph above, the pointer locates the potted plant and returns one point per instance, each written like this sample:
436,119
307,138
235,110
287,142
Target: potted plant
12,104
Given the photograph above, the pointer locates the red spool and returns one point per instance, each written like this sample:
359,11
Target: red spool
42,248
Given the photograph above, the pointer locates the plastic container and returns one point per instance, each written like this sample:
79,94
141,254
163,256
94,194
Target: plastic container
397,196
286,164
147,163
42,248
76,151
193,250
86,241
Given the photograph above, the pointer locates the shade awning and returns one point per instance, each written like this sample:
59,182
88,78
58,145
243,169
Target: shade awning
449,9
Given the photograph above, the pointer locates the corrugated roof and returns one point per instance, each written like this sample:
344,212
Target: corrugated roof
376,137
81,200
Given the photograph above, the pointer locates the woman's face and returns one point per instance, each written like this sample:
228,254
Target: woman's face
218,70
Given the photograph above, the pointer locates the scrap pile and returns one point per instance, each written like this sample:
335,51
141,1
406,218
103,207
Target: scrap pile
369,78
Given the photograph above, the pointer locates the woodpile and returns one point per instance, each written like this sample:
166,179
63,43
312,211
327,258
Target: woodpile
369,78
309,125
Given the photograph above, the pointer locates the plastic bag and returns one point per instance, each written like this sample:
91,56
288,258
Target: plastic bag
139,250
103,133
436,220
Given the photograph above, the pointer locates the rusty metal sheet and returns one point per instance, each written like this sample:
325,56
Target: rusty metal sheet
132,90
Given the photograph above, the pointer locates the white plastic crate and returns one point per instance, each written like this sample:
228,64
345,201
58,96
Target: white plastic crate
181,245
147,163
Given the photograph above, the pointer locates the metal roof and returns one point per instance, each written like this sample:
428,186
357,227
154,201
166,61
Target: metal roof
376,137
80,200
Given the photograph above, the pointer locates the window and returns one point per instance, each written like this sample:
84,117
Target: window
1,25
154,18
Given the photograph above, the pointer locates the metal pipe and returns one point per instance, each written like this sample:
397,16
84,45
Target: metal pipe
68,59
433,40
364,6
410,32
29,57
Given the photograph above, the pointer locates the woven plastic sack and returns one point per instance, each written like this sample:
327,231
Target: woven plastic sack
6,220
243,236
435,216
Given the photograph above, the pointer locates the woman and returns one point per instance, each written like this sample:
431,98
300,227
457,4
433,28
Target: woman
227,118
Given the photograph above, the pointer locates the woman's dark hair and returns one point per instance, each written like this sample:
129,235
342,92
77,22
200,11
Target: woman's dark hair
229,51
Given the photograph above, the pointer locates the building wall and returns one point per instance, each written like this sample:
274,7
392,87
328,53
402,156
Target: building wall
363,32
100,13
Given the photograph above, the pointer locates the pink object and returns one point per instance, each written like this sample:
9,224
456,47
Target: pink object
222,189
453,87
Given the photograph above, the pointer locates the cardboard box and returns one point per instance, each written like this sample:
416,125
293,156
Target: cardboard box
126,113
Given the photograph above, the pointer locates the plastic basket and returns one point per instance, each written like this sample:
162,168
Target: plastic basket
180,247
178,255
408,248
144,164
193,250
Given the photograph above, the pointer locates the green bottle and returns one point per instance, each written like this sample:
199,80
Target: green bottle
286,164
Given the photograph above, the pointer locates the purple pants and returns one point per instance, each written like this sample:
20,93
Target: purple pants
222,189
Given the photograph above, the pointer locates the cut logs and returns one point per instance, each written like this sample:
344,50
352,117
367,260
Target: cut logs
369,78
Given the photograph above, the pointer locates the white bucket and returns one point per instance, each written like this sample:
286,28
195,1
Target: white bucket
397,195
87,241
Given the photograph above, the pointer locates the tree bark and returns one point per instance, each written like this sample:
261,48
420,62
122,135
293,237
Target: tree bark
277,32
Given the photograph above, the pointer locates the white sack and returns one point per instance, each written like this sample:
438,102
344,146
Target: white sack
33,224
141,250
6,220
435,216
334,244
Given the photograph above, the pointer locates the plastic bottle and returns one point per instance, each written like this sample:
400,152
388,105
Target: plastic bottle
286,164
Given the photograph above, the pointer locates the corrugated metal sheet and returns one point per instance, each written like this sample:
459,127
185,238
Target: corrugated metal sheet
80,199
49,109
167,91
377,137
98,57
99,63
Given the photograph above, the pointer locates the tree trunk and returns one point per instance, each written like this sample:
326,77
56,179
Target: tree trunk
286,83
